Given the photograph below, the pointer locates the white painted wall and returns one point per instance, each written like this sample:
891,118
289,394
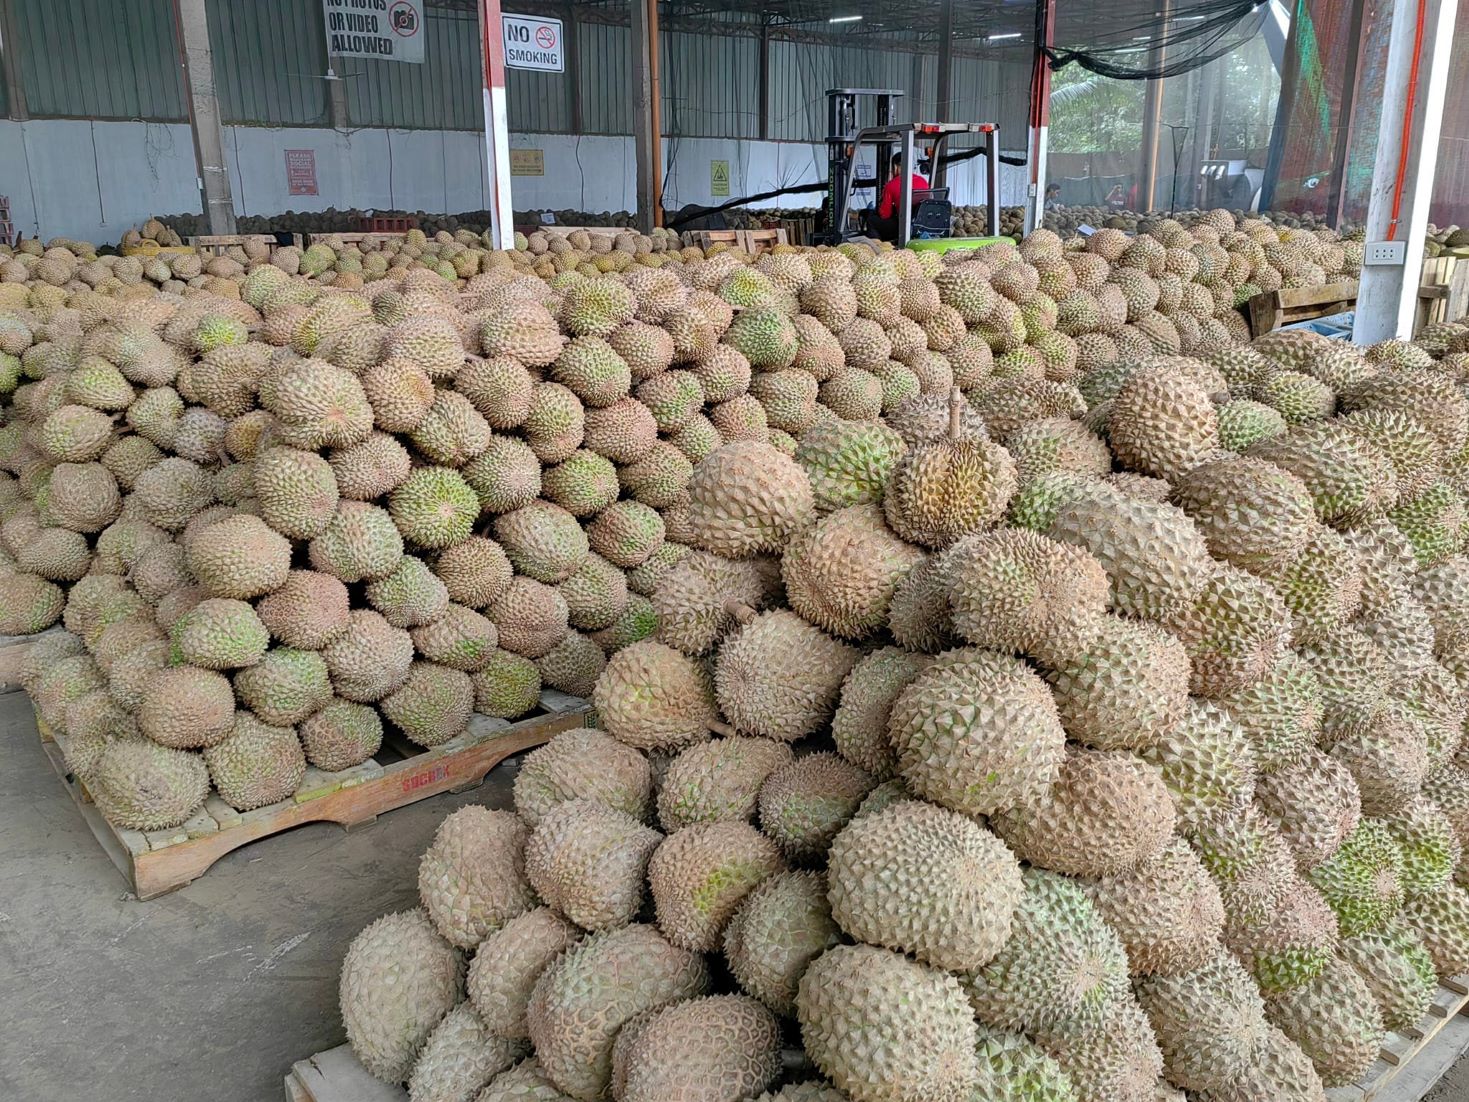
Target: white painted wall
95,180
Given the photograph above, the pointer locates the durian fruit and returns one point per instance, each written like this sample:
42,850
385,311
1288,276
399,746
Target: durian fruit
588,860
1441,918
1363,879
1063,968
1277,1069
711,1049
1209,1022
778,929
472,878
399,978
747,498
942,491
698,875
927,881
778,676
507,963
884,1028
1207,765
1168,912
1016,590
1125,688
1013,1069
977,732
803,805
583,998
718,781
1118,1059
1316,805
859,727
1162,422
1107,813
142,785
582,764
652,696
848,462
1335,1020
255,764
1398,971
840,573
460,1057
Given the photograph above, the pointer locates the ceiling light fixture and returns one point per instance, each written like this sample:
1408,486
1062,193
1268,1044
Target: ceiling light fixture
845,19
1001,37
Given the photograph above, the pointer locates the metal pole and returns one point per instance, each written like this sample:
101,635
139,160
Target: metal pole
497,124
764,80
943,92
197,63
1039,135
905,203
1403,170
645,92
1337,188
1153,117
992,179
15,89
573,67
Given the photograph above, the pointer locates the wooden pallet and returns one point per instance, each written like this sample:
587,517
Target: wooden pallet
217,244
707,239
362,240
1410,1063
1269,310
336,1076
1443,293
158,861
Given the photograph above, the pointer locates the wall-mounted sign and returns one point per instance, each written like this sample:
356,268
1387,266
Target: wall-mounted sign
527,162
301,172
718,177
388,30
533,43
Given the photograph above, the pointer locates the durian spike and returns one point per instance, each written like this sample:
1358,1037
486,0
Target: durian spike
739,610
956,408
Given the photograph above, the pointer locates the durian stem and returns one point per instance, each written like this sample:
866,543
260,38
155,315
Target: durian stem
956,407
739,610
724,730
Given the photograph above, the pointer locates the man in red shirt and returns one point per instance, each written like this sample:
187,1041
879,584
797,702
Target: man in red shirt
883,222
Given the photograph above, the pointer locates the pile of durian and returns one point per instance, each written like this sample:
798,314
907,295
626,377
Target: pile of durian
997,750
276,505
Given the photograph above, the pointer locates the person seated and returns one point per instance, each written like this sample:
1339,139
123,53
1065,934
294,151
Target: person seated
883,222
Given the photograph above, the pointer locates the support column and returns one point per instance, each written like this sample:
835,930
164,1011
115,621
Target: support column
1413,91
197,62
15,91
336,92
1153,120
497,125
1038,137
944,82
1346,123
764,120
573,66
647,142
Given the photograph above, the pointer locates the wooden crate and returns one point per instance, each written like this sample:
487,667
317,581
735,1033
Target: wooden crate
158,861
595,231
217,244
1410,1063
799,231
760,241
362,240
1269,310
707,239
1443,292
336,1075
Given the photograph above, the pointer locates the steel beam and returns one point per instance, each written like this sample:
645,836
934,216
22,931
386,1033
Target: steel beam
1413,92
943,84
197,63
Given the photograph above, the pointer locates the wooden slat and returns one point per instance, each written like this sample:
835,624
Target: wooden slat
1269,310
1397,1075
156,862
337,1076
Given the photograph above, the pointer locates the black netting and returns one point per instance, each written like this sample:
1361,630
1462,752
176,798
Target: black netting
1181,38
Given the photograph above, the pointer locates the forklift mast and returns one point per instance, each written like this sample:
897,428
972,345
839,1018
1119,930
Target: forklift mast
844,140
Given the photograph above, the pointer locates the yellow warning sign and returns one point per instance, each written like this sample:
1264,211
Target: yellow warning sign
527,162
718,177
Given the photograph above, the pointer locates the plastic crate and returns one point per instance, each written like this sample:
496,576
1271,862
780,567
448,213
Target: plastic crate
387,223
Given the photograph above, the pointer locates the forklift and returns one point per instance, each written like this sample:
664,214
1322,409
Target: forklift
930,221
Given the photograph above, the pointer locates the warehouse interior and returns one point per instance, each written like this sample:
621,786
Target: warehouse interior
504,597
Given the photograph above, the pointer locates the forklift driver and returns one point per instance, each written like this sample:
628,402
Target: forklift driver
882,223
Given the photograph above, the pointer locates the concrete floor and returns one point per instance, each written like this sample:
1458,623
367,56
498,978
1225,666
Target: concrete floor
210,993
207,994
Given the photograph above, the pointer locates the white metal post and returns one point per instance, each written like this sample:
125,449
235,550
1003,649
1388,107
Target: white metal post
198,65
1402,172
1038,138
497,125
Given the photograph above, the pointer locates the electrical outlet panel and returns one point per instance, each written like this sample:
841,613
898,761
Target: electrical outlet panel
1385,252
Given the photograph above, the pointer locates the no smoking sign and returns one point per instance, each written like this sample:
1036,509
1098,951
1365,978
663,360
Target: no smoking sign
533,43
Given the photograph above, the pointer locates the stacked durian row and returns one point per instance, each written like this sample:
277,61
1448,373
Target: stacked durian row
440,494
993,751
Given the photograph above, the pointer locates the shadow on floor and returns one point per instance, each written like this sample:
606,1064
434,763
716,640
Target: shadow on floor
207,994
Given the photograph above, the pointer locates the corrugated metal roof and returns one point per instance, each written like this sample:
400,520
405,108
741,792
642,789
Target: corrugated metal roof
269,61
100,59
443,93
